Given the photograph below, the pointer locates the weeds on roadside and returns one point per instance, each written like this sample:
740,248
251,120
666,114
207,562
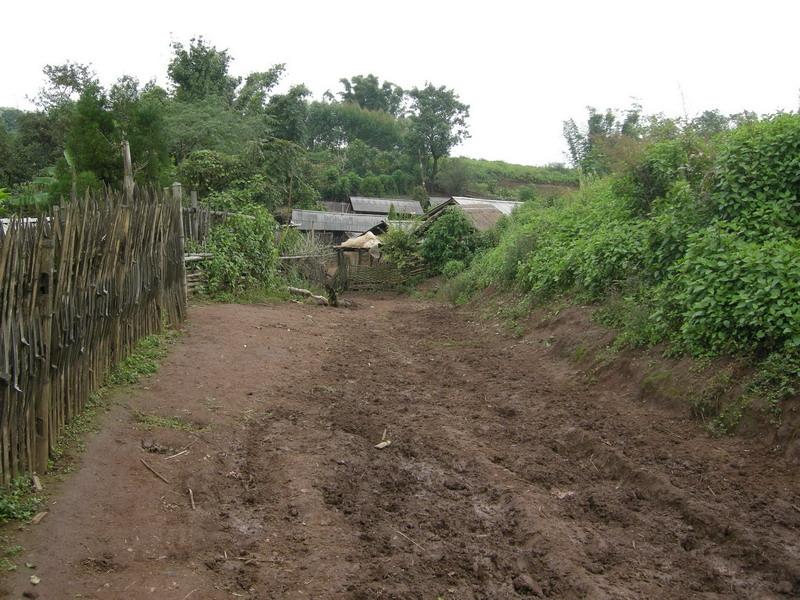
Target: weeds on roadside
18,503
150,421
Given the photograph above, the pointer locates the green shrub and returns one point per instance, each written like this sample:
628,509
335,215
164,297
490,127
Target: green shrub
450,237
17,501
452,268
400,248
757,176
244,252
736,295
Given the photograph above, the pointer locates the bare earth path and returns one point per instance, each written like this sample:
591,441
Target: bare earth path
506,477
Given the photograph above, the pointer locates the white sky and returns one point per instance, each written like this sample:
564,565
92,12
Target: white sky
523,67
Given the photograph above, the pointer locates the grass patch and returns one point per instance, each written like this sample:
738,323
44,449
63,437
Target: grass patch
18,502
9,551
150,421
144,360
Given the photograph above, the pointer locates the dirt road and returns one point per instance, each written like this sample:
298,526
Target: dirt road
507,476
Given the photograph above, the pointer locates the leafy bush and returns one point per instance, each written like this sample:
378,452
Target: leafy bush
758,176
695,242
207,170
452,268
400,248
735,295
17,502
450,237
244,252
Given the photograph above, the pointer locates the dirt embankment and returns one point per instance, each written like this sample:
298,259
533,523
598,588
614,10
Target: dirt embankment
510,474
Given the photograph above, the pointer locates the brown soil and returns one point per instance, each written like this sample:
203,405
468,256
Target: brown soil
508,475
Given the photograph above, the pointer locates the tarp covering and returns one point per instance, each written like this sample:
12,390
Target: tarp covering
366,240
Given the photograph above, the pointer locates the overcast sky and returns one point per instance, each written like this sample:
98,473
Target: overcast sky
523,67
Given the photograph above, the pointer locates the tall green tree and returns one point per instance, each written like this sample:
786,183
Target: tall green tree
138,116
289,113
64,84
368,92
253,97
200,71
438,122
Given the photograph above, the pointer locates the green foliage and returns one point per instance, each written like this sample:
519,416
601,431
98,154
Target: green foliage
142,361
18,502
438,122
454,177
200,71
244,252
368,93
400,248
757,180
452,268
289,113
692,241
450,237
731,295
207,171
499,171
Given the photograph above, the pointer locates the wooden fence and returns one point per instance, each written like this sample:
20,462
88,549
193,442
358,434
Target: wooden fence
78,288
198,220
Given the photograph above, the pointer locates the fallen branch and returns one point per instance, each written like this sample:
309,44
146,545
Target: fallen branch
191,499
308,294
154,472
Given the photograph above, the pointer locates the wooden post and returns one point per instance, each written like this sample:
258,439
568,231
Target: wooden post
194,233
177,197
45,302
127,172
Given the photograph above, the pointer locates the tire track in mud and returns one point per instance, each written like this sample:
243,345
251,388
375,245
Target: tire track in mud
496,486
508,477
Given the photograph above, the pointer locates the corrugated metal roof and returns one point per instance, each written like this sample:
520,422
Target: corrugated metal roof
482,216
318,220
339,207
381,206
483,213
504,206
437,200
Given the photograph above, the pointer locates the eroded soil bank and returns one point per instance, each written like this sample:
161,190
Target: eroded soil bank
508,474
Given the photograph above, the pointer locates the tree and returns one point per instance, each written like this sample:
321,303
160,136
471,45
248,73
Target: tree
368,92
201,71
289,112
450,237
252,98
454,177
138,115
209,124
91,141
333,125
5,155
65,83
437,123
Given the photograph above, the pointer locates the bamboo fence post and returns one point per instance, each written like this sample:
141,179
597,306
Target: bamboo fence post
45,304
194,234
127,166
177,198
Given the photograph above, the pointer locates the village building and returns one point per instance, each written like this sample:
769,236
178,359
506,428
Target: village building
333,227
382,206
483,213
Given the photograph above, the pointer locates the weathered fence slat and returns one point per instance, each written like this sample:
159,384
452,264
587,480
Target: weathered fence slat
78,288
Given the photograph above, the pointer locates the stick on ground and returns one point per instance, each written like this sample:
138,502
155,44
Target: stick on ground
154,472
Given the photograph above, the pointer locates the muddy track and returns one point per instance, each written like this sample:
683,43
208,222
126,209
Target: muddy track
508,474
